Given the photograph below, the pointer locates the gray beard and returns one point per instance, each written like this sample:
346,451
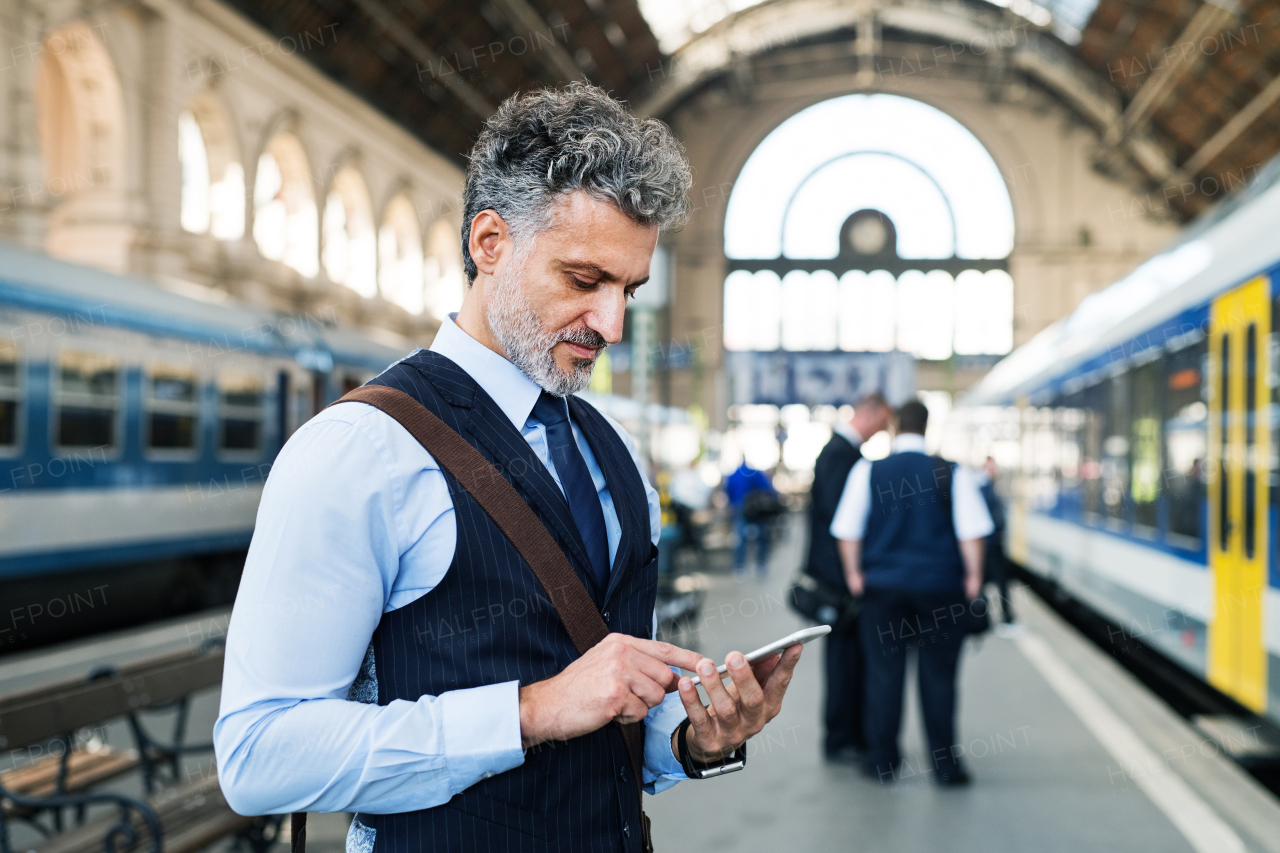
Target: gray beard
529,346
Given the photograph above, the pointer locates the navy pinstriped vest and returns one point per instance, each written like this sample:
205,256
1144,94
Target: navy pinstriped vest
910,542
490,621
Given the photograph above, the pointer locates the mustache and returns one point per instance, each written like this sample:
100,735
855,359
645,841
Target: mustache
583,337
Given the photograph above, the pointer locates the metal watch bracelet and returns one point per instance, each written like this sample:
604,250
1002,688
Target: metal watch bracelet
697,770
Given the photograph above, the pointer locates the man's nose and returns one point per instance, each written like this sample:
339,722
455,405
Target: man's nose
606,315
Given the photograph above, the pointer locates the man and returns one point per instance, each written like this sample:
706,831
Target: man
842,716
390,652
995,564
911,528
747,520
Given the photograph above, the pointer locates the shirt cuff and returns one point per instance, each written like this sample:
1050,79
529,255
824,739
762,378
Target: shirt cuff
661,767
481,733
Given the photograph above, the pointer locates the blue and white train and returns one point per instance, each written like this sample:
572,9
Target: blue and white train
1139,439
137,426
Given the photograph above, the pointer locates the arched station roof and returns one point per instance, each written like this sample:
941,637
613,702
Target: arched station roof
1179,92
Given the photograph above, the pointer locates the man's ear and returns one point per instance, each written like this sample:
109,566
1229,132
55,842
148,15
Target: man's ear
490,240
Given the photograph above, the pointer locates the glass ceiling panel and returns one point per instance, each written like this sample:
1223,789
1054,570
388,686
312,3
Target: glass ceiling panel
675,22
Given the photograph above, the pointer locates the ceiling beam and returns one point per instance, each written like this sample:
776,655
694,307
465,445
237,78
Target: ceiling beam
395,30
522,16
1229,132
1209,20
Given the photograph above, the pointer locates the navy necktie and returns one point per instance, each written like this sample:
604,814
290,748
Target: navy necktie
579,489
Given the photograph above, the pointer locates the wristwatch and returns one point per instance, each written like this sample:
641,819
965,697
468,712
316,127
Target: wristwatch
698,770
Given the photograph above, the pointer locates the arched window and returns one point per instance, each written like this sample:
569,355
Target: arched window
212,177
284,206
873,223
80,121
442,272
350,250
400,256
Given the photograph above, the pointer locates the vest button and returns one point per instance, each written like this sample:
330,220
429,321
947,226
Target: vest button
626,830
622,772
605,615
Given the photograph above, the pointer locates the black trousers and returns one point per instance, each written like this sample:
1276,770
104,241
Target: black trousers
995,570
892,623
842,714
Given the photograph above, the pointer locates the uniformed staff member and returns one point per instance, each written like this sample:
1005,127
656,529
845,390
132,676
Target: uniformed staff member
390,652
842,712
911,528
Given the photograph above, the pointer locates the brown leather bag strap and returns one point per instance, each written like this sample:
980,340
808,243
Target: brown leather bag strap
522,528
502,503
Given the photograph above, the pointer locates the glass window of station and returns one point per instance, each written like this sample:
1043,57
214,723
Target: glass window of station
240,399
88,400
9,395
172,409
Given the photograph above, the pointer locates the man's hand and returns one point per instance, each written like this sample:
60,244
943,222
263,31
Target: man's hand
619,679
738,710
851,562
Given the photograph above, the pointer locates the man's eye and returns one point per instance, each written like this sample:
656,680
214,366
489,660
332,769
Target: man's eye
584,284
631,293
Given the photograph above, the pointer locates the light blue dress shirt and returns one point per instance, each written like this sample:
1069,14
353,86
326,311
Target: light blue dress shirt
355,521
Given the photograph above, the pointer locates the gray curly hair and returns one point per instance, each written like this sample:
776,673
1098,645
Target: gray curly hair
541,145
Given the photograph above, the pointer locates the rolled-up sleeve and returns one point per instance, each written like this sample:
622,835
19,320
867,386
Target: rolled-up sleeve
968,509
850,519
319,573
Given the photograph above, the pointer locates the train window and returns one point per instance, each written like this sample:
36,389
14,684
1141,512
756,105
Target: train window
1145,465
88,399
1070,416
1250,450
1224,490
1095,407
172,408
1186,419
240,415
1115,448
8,394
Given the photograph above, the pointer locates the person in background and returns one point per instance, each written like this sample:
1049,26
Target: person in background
690,494
995,564
842,712
911,528
738,487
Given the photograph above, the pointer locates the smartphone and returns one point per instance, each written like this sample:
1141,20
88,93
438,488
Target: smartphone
778,646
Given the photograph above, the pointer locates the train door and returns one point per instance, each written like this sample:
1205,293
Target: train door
1239,453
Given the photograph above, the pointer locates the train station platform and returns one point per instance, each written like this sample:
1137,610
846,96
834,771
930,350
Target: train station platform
1067,750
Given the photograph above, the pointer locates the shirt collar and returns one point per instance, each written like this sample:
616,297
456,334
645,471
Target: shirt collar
908,442
845,429
514,392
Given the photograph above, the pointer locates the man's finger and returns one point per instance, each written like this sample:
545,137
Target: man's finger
653,668
765,667
726,708
749,691
666,652
633,711
647,690
778,681
693,706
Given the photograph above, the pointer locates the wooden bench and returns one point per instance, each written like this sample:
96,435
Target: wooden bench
176,815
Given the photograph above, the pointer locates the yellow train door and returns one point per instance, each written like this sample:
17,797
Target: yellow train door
1239,453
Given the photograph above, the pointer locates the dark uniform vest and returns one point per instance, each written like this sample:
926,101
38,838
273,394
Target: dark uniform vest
910,541
489,621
